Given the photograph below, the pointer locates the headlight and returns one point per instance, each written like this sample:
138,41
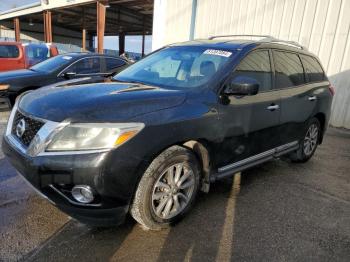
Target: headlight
4,87
74,137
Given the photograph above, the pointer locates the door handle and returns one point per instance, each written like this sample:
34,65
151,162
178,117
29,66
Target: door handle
312,98
273,107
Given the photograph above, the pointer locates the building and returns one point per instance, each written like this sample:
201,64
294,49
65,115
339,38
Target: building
322,26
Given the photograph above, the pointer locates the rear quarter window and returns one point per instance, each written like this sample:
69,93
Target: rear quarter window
9,51
288,68
313,69
113,63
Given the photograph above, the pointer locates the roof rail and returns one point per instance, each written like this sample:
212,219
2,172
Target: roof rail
223,36
289,43
264,39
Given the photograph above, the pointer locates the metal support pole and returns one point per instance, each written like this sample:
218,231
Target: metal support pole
91,42
17,29
101,19
193,20
83,46
121,43
143,39
47,27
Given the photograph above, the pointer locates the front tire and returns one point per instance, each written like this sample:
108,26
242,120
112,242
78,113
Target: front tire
309,143
167,189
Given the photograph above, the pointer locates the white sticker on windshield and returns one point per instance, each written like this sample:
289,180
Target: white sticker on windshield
217,52
67,57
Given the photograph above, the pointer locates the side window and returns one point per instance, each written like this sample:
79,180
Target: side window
289,70
9,51
113,63
313,69
257,65
86,66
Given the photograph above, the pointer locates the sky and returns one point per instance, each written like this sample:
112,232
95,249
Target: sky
132,43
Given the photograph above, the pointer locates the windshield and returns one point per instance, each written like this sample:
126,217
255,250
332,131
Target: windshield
180,67
53,63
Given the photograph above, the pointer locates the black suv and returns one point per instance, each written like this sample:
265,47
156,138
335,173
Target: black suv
167,126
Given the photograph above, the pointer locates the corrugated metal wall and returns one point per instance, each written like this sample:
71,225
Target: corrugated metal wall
322,26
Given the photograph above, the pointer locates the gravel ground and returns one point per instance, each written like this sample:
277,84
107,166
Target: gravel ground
278,211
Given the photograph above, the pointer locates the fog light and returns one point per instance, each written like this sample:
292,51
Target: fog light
83,194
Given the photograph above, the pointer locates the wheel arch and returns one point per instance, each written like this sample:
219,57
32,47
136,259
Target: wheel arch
201,149
321,117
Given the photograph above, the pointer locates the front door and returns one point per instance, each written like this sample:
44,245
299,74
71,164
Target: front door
250,123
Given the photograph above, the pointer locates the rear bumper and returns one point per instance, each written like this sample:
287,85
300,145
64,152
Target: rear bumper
47,174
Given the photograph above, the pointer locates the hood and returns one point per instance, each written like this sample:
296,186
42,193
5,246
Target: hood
98,102
17,73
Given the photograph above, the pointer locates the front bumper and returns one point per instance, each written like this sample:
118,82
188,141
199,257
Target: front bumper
53,175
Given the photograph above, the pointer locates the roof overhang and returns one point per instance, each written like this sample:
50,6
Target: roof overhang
132,17
21,11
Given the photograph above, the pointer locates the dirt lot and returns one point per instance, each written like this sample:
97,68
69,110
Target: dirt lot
276,212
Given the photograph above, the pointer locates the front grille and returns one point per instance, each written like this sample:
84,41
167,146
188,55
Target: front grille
32,127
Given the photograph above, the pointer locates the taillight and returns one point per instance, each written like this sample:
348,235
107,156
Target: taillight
332,89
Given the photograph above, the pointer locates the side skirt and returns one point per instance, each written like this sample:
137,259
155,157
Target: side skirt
244,164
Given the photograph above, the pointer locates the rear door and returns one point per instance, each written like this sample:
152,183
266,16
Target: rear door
11,57
298,100
250,123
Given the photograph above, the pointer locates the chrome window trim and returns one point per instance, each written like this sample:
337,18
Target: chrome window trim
76,61
60,73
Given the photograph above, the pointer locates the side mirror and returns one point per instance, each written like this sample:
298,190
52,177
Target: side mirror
69,75
242,86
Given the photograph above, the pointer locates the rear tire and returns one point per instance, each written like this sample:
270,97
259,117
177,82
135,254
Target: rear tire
309,143
167,189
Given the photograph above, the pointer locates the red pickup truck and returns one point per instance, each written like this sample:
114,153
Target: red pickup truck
14,55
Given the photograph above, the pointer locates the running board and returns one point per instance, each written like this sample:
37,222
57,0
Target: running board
231,169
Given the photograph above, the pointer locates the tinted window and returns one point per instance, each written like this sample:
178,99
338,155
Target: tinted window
52,64
9,51
113,63
289,70
178,67
86,66
257,65
313,69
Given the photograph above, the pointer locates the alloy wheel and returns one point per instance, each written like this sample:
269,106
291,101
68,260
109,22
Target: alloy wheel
311,138
173,190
